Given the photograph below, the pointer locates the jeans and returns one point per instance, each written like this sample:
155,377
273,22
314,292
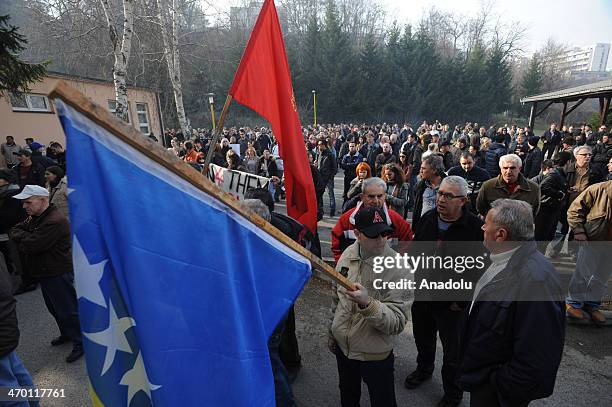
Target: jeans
282,388
589,282
332,197
61,301
428,320
14,374
377,375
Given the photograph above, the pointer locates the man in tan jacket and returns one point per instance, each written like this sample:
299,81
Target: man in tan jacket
590,217
365,319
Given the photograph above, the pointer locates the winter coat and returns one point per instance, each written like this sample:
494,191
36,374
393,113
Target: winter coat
462,238
9,330
326,163
366,334
35,175
11,210
494,153
553,190
512,343
45,243
496,188
475,178
591,212
532,165
343,234
418,199
58,196
397,197
349,164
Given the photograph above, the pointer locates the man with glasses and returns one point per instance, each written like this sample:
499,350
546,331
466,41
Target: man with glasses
449,230
580,175
510,184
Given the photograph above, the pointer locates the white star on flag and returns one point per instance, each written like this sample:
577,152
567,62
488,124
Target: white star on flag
136,379
112,337
87,276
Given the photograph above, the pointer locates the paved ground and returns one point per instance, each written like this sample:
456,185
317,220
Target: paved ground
585,375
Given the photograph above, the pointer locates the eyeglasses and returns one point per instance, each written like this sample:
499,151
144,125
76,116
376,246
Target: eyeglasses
448,196
586,154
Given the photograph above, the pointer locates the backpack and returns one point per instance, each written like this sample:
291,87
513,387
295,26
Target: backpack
297,232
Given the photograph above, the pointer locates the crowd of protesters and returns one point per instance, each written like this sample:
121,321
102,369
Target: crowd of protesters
502,188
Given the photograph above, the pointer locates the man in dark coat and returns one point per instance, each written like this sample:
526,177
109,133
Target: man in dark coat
11,213
28,171
326,164
438,233
553,191
44,240
513,341
474,175
552,140
533,158
384,158
432,173
349,164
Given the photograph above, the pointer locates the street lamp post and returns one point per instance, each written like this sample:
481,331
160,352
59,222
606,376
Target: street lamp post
211,103
314,102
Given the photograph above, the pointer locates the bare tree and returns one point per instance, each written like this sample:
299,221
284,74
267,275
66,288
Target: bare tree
121,50
169,16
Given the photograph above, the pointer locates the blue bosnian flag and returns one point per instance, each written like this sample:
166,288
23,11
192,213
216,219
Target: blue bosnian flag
178,294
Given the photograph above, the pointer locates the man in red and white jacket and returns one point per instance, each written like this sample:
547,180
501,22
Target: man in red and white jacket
374,195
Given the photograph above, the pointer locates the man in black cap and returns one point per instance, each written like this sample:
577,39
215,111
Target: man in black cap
359,334
28,172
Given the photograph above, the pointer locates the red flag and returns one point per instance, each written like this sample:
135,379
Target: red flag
263,83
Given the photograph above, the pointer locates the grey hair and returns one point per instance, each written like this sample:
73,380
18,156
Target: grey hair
373,181
258,207
457,181
512,158
516,217
580,148
436,163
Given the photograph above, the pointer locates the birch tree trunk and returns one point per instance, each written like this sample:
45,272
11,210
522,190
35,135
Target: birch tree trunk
173,58
121,50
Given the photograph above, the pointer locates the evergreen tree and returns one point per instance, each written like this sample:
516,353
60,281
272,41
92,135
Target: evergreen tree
531,83
15,75
499,83
339,79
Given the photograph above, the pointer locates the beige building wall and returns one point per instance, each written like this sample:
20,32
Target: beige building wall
45,127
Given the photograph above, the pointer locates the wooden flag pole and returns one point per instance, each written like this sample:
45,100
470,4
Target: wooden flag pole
216,132
161,156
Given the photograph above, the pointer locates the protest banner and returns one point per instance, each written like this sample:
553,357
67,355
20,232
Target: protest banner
236,183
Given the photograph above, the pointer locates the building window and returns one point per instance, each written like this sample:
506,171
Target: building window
112,107
143,118
25,102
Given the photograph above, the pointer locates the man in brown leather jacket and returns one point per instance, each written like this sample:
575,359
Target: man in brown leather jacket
44,241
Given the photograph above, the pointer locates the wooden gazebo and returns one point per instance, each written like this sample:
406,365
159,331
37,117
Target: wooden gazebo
578,94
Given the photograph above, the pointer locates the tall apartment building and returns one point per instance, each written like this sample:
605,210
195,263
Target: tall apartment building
592,58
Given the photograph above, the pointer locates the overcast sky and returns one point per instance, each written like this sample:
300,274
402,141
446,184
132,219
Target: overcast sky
571,22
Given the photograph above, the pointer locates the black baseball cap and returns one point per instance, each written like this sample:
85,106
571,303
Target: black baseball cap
372,222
